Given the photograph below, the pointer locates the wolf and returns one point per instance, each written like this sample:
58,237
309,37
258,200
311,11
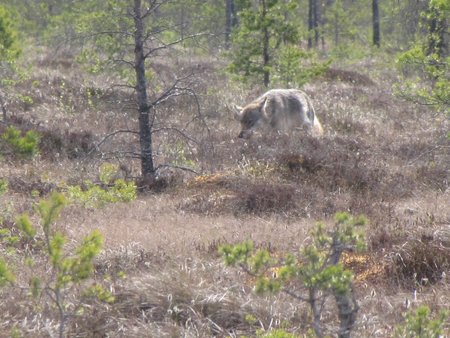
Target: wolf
282,110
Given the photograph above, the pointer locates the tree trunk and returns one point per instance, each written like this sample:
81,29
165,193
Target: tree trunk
145,133
346,303
376,23
317,21
316,312
265,42
347,311
313,23
336,29
230,20
310,22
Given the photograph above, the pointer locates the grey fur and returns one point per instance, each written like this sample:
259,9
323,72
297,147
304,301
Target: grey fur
281,109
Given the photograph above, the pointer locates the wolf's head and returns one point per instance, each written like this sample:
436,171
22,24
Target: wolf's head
250,117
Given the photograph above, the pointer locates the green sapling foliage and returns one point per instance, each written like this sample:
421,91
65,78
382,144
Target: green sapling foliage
3,186
262,29
9,48
311,275
109,191
6,275
429,61
68,269
27,145
422,324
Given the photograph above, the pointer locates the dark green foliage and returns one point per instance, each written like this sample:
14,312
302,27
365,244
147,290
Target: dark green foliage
8,36
9,52
295,66
261,32
426,65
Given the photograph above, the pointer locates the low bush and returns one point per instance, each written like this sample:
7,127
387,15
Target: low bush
420,262
108,190
3,186
422,324
26,145
92,195
61,277
58,143
333,164
264,198
313,275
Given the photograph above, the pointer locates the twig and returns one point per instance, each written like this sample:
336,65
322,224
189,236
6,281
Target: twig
181,132
173,43
425,153
114,133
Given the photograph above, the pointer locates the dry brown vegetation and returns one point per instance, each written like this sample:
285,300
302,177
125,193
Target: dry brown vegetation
380,156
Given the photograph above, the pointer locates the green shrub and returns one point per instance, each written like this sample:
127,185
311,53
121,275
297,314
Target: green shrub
3,186
9,41
68,270
422,324
311,276
95,196
109,190
295,67
107,172
6,276
27,145
425,66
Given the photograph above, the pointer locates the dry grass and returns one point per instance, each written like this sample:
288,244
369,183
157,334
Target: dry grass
379,156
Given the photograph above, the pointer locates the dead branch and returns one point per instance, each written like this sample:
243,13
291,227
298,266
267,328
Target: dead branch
181,132
114,133
173,43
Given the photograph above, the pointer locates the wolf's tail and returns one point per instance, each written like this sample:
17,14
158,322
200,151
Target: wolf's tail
317,128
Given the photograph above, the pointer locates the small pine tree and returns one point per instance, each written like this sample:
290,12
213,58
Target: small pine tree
8,36
6,275
429,60
68,270
317,270
261,31
9,51
422,324
27,145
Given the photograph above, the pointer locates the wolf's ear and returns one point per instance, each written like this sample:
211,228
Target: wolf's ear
237,111
264,102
